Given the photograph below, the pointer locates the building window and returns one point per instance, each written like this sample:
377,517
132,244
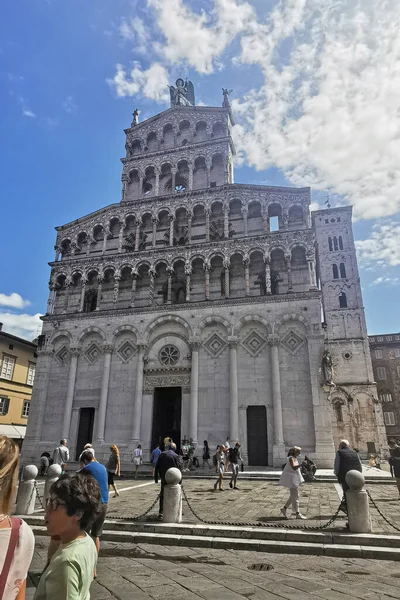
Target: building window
339,411
389,418
335,243
381,373
389,338
330,244
380,339
335,272
387,397
342,269
342,300
397,352
25,408
340,243
31,374
4,404
378,354
7,367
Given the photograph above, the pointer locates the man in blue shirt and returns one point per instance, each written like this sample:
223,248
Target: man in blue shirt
154,457
99,472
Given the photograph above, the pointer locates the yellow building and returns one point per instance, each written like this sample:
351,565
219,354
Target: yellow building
17,374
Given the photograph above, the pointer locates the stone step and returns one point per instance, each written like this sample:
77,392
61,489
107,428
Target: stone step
294,546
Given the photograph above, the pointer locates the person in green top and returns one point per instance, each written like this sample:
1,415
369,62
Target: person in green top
72,506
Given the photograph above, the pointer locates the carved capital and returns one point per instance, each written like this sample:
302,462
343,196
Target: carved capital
75,351
273,340
194,344
233,342
108,348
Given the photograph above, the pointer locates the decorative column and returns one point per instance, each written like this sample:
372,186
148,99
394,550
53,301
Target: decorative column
57,251
190,215
121,237
245,213
125,180
70,392
100,280
39,393
67,291
157,184
170,272
188,272
190,179
89,242
106,234
288,260
267,275
135,276
194,390
137,403
265,219
152,274
285,219
207,212
311,270
233,389
171,230
101,417
137,236
83,291
173,174
246,263
207,269
226,265
154,241
117,279
226,222
279,446
140,185
51,300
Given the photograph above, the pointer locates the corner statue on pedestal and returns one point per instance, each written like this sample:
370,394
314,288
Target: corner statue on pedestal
327,368
182,94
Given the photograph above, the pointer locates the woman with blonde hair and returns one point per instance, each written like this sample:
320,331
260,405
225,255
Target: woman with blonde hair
17,542
291,478
113,468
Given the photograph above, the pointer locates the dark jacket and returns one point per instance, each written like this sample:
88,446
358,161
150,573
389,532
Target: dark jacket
349,461
395,462
166,460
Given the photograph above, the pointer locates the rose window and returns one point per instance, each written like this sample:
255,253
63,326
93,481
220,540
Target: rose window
169,355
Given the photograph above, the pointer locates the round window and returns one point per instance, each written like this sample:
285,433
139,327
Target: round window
347,355
169,355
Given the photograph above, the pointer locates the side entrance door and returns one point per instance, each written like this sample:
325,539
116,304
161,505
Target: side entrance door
257,443
85,429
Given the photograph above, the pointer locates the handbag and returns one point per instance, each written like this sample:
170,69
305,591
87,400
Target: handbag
14,537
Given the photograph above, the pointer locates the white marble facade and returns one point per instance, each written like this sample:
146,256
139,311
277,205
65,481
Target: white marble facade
209,301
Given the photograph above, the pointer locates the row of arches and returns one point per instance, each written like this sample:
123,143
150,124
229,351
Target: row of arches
182,226
172,135
199,279
339,272
335,243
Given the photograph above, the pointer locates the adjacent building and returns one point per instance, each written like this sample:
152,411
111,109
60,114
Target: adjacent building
385,354
17,375
202,308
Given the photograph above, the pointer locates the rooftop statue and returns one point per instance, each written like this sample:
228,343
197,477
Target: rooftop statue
182,94
135,117
226,93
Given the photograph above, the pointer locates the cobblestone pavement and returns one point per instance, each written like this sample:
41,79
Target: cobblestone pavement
257,501
145,572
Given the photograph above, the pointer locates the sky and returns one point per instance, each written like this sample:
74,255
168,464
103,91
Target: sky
316,98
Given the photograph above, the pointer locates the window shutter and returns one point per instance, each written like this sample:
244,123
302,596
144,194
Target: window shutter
6,405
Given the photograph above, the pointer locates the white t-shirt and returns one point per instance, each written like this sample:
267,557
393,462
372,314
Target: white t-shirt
61,455
137,453
21,561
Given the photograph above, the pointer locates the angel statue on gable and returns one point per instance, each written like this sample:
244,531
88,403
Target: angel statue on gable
182,94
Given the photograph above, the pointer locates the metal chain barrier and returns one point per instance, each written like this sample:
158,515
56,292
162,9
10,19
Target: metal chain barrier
388,521
137,517
258,524
36,487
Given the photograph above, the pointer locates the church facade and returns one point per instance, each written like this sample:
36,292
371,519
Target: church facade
202,308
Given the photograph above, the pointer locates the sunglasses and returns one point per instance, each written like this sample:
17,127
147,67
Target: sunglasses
53,503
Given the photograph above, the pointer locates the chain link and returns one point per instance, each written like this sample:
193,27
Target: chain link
258,524
38,495
137,517
388,521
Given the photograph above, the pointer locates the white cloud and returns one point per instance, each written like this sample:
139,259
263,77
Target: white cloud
69,105
199,39
382,247
136,31
22,325
26,111
151,83
13,301
386,280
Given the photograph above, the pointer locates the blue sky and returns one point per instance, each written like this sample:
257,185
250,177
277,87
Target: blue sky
312,108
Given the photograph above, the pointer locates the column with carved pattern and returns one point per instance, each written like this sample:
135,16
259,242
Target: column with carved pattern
194,391
170,272
245,214
101,416
207,213
100,280
117,279
171,230
135,276
137,236
233,389
68,284
190,216
246,263
207,269
69,399
226,265
106,232
278,446
121,237
226,222
288,260
138,400
83,292
311,270
154,241
188,272
152,274
267,275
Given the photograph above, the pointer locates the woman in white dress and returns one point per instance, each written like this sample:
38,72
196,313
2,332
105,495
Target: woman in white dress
292,478
137,459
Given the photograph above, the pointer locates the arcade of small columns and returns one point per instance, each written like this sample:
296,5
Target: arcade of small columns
141,358
195,279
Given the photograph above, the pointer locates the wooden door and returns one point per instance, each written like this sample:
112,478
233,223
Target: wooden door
85,429
257,442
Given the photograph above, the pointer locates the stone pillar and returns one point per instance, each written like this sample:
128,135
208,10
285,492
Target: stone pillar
190,179
70,392
357,504
207,212
285,219
188,272
172,505
100,280
246,263
53,473
171,230
26,491
67,292
279,446
101,417
117,279
190,228
106,233
245,213
265,219
51,300
39,393
194,391
89,242
121,237
154,241
207,269
137,404
233,390
140,186
288,260
170,272
311,270
226,222
226,265
173,175
133,289
151,287
137,237
157,184
267,275
83,291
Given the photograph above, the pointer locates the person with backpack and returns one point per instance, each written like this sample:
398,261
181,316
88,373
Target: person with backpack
17,542
234,458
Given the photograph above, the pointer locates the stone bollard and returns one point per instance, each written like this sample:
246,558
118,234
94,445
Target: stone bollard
53,473
173,496
357,504
26,491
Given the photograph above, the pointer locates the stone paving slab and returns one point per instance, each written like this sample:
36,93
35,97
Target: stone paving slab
145,572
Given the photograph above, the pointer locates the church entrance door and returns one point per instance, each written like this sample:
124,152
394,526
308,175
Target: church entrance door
167,416
257,443
85,429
